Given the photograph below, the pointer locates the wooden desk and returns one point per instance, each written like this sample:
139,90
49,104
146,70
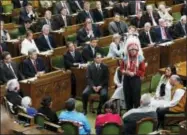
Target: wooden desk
181,70
56,84
3,92
19,129
35,131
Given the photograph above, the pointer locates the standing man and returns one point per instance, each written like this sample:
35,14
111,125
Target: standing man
133,69
97,76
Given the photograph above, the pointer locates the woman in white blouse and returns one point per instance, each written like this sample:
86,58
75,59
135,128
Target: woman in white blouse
28,43
164,14
163,91
116,47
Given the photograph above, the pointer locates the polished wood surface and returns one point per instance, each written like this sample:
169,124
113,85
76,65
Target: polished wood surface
35,131
18,128
3,92
181,70
56,84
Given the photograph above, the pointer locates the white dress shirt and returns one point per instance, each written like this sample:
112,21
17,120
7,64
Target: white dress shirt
26,45
113,50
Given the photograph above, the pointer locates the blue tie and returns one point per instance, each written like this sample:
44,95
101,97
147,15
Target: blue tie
48,42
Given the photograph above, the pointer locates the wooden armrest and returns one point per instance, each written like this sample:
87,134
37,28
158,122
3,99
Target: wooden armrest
49,124
31,118
56,68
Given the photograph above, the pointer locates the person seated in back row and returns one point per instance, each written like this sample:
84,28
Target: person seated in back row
26,102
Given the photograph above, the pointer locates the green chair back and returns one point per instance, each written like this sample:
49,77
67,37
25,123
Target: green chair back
14,33
57,61
71,38
40,119
145,126
154,82
105,50
69,128
8,8
176,16
110,129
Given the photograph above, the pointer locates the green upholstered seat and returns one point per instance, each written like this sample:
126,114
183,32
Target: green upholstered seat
105,50
57,61
14,33
8,8
176,16
154,82
71,38
69,128
40,119
145,126
110,129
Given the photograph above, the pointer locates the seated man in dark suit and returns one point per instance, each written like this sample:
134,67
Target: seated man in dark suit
62,4
184,9
47,20
138,21
19,3
27,13
181,27
151,16
45,42
89,51
9,69
117,26
122,8
72,58
148,36
27,26
86,13
135,6
99,13
33,66
87,32
97,77
62,20
108,3
162,32
76,5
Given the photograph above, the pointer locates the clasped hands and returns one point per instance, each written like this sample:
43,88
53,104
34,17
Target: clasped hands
129,73
97,89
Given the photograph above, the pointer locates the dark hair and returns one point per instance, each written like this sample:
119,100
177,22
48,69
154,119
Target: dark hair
110,105
5,54
28,33
69,43
162,89
92,39
70,104
29,4
173,69
46,101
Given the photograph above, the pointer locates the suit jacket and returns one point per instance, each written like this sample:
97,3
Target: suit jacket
59,22
73,6
69,60
14,98
132,7
87,53
82,35
112,27
83,15
7,74
24,16
124,11
98,17
43,21
105,3
147,18
58,7
28,67
144,38
184,10
97,77
17,4
139,23
42,44
179,31
159,35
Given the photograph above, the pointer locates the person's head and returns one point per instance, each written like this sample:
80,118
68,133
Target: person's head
27,23
48,14
71,47
145,99
46,29
175,80
93,42
29,7
86,6
13,85
131,29
162,8
162,22
109,107
5,122
46,102
183,19
29,35
70,104
98,58
98,5
63,11
6,56
170,70
1,24
26,102
32,53
116,38
117,18
149,9
147,26
139,14
88,24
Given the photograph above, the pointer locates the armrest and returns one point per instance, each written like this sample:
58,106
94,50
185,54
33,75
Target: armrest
26,117
54,126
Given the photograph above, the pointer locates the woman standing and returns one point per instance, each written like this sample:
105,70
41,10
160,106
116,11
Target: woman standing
133,69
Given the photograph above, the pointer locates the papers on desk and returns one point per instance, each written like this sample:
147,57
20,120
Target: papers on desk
83,65
13,40
166,43
59,31
75,14
100,23
154,133
132,15
46,53
29,80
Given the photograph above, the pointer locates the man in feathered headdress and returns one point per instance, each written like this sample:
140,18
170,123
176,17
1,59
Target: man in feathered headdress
133,68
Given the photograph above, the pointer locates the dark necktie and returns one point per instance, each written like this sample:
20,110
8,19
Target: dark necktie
35,66
118,47
11,69
119,28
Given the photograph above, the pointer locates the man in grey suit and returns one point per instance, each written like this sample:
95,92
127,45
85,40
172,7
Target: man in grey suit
62,4
117,26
